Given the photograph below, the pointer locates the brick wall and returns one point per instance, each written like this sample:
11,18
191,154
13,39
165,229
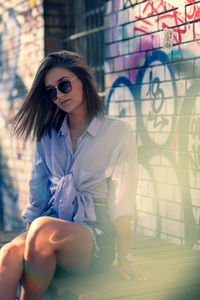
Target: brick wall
55,18
21,49
155,87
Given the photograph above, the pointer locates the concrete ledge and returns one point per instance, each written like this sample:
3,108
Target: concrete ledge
175,275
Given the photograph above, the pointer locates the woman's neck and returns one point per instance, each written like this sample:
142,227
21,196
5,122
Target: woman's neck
78,122
77,126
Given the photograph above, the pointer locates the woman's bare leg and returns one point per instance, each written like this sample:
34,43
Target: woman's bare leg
52,242
11,267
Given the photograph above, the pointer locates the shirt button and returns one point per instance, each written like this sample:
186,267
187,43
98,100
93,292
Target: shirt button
61,201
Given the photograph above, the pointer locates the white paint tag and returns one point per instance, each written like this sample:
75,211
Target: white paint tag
168,38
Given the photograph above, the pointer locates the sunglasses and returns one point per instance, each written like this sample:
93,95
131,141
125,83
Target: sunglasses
64,86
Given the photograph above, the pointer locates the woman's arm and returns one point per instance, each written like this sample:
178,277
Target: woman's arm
127,267
39,192
123,235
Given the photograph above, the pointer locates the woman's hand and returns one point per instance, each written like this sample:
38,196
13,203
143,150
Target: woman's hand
132,271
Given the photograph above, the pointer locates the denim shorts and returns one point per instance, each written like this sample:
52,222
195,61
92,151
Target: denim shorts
104,241
103,234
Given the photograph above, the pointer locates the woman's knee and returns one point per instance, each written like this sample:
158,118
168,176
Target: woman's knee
11,251
38,236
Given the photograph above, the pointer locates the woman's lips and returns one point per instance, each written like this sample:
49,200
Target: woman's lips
65,101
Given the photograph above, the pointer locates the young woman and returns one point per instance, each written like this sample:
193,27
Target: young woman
82,186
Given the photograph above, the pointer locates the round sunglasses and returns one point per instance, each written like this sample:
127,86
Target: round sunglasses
64,86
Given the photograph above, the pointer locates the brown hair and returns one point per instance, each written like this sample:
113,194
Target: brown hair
38,115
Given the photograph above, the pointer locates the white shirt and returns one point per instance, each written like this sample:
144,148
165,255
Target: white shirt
104,165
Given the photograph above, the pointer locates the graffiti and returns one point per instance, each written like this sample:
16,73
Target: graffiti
9,35
195,144
193,13
33,48
32,19
129,3
165,15
157,104
160,123
163,112
20,49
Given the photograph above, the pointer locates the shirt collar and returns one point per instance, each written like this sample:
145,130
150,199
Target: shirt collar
92,128
64,129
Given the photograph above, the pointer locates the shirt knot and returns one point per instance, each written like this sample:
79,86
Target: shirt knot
70,202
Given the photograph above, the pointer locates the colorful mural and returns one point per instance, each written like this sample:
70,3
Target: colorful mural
21,47
157,91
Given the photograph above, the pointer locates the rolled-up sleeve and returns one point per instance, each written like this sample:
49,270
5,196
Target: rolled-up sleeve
39,192
123,182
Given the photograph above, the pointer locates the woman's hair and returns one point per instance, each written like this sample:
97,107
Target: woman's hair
38,115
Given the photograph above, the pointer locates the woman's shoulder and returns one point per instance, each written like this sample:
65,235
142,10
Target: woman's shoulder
118,124
48,138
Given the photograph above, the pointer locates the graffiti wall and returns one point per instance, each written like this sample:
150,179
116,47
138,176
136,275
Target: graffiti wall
152,67
21,49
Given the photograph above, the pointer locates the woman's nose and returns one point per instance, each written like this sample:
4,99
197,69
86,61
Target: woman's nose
59,93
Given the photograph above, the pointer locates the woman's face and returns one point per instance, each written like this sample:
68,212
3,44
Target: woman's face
71,101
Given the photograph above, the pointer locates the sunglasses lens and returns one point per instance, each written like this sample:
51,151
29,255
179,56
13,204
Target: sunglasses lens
52,94
65,86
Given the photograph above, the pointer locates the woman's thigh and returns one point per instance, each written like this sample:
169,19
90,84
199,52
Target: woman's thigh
71,242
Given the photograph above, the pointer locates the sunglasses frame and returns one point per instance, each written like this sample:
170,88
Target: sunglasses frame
56,88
